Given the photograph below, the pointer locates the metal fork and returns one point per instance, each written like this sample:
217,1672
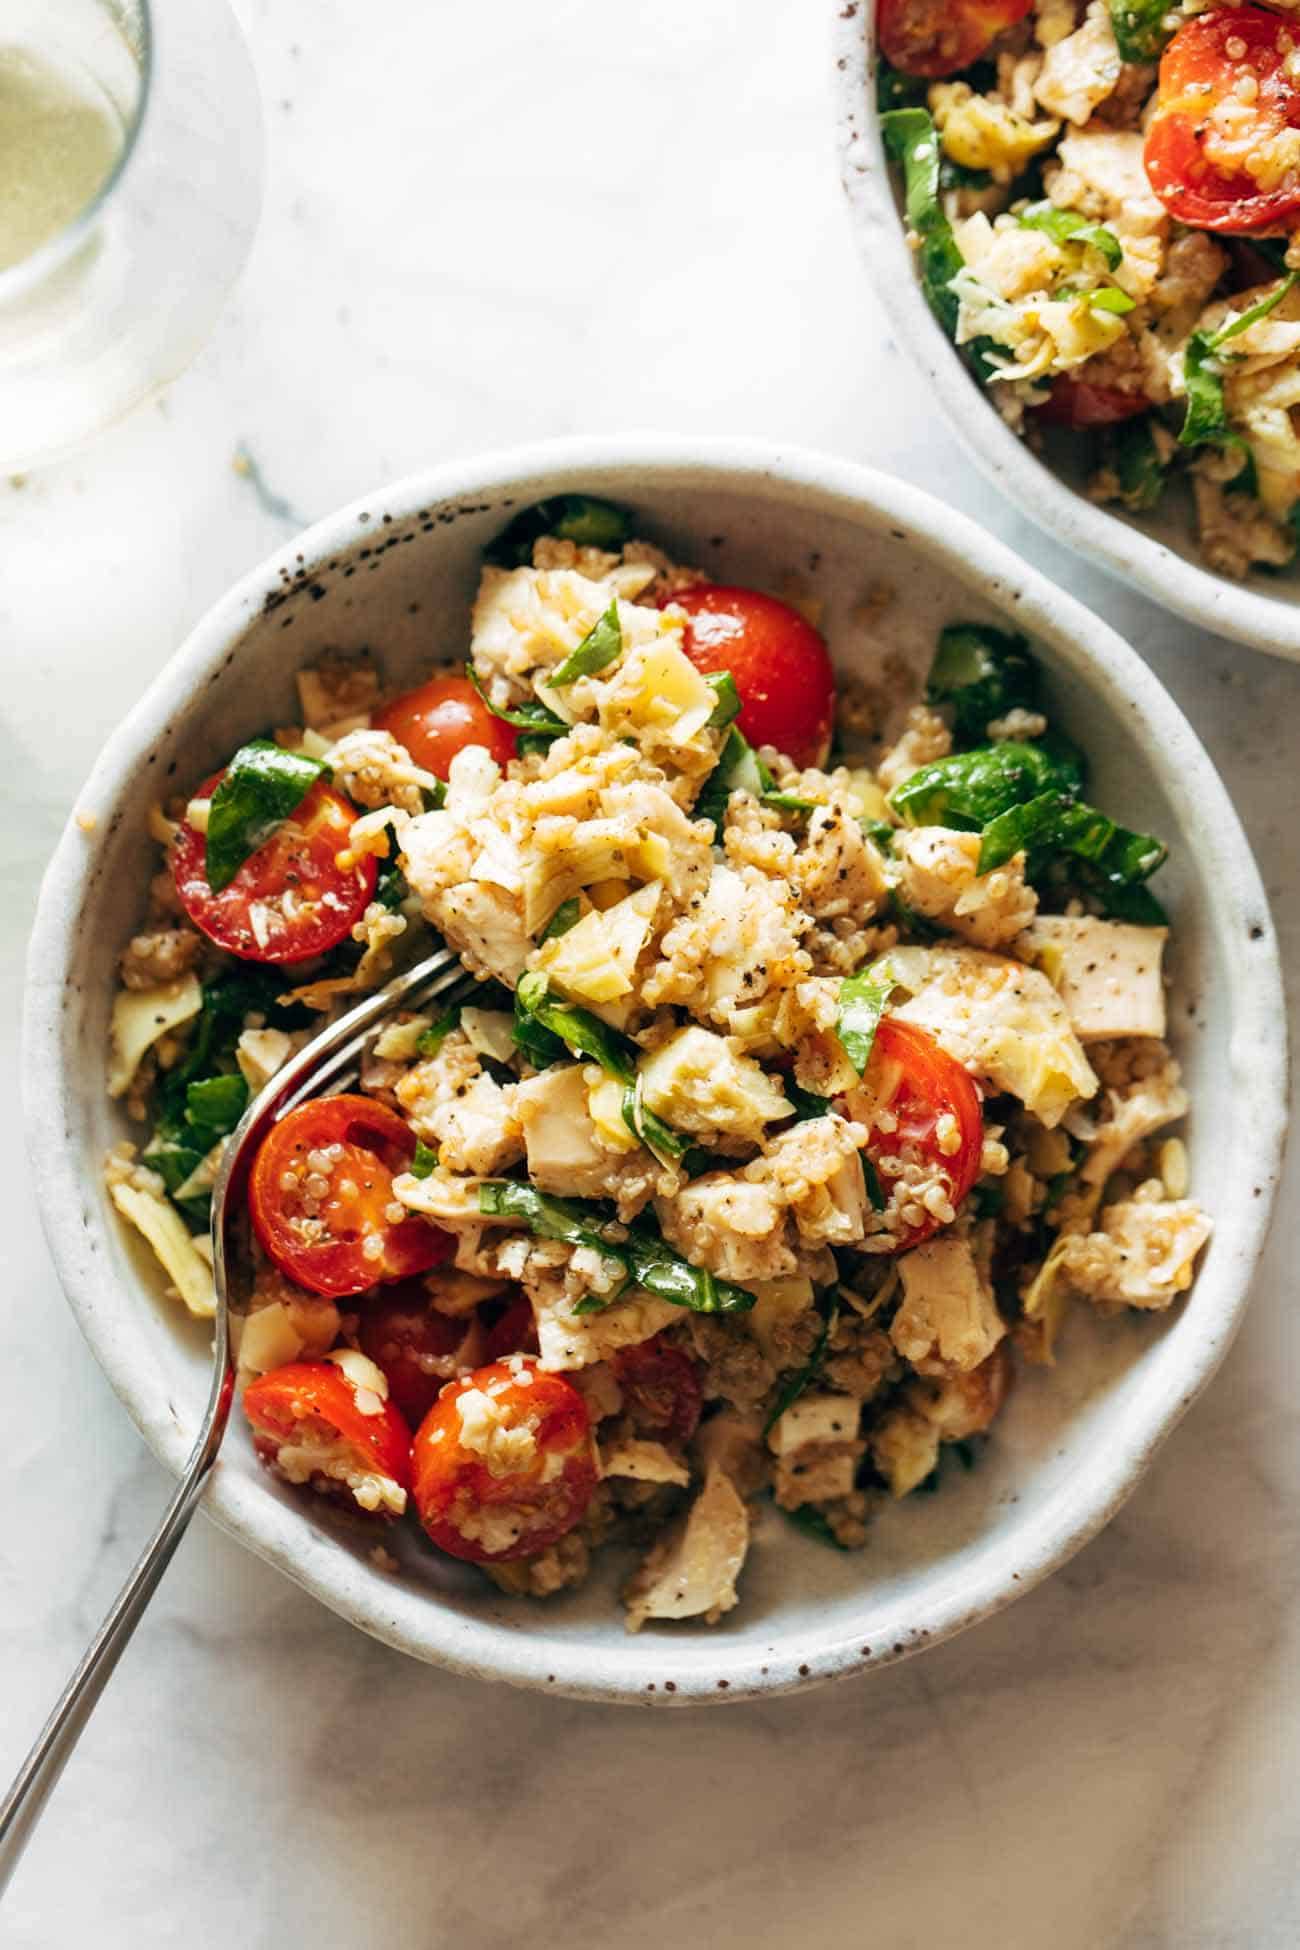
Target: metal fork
330,1062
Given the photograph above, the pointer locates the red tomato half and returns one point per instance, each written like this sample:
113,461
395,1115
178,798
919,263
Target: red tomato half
413,1343
936,37
489,1508
440,719
1207,149
929,1084
312,1409
781,666
321,1198
290,899
1076,403
661,1390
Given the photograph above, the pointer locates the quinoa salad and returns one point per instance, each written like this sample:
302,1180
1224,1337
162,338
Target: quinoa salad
816,1067
1102,197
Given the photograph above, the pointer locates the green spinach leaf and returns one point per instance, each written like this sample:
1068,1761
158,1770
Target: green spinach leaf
578,518
261,787
983,673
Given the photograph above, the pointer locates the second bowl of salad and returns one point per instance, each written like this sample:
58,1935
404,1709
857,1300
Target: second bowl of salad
1080,214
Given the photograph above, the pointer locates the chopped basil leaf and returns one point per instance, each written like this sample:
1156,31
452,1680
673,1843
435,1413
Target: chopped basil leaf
794,1384
577,518
879,832
582,1033
789,802
910,137
1139,28
814,1524
424,1161
565,917
895,89
875,1190
532,716
1109,297
438,1031
262,786
728,705
655,1266
983,673
807,1104
1129,451
391,889
572,1222
739,766
1071,227
697,1161
434,796
174,1156
601,646
530,743
665,1144
864,998
214,1105
645,1257
1206,419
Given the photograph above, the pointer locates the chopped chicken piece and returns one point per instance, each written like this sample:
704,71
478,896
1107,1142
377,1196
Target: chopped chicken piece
1144,1255
1002,1020
644,1462
1107,973
691,1571
948,1318
938,876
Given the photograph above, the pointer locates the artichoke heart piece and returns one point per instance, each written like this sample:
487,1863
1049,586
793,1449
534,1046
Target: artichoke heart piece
596,957
698,1083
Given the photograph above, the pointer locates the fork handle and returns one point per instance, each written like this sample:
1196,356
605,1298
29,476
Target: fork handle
25,1802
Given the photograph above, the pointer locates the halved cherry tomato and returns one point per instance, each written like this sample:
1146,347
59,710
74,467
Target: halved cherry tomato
781,666
290,900
1217,146
440,719
1077,403
936,37
503,1481
661,1390
920,1083
313,1425
514,1332
321,1198
406,1336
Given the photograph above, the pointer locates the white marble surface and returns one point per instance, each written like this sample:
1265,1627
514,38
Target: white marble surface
485,222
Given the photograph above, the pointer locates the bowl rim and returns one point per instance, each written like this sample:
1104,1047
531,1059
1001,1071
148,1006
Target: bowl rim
1246,614
1238,910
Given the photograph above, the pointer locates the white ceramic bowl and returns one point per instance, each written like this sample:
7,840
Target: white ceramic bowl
396,572
1156,553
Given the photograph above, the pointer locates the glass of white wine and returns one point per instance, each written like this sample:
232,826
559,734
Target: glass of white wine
130,185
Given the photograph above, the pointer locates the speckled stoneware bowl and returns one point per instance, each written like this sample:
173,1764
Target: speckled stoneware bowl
1156,553
396,572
